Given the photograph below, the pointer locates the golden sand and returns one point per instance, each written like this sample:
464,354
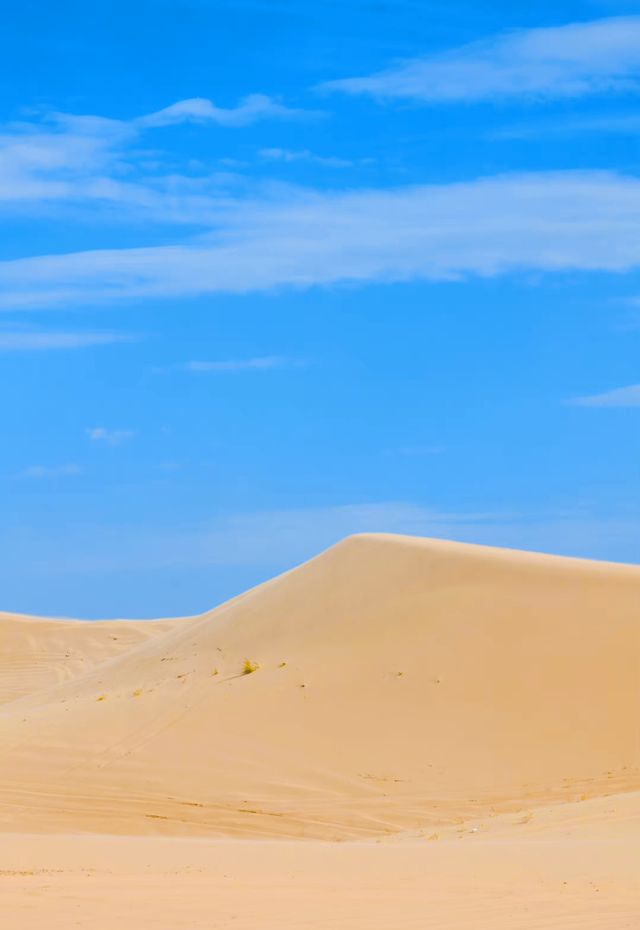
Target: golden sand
465,720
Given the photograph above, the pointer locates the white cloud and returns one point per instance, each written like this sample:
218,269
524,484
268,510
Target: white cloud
45,160
55,471
417,451
264,363
620,124
30,340
110,437
548,221
619,397
75,159
565,61
293,155
200,110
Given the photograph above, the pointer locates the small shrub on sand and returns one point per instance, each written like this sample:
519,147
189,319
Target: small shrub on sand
282,665
102,697
137,692
214,672
249,667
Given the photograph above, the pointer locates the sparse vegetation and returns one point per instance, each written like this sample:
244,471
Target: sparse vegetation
102,697
137,692
282,665
214,672
249,667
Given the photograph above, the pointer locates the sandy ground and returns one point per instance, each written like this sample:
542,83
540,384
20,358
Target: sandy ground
577,873
399,733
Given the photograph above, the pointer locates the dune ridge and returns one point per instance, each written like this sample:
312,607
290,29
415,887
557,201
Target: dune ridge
396,686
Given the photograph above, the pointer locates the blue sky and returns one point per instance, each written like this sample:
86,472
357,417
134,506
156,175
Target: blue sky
275,272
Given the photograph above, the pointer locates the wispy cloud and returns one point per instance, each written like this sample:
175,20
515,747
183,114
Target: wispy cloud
41,160
565,61
609,124
110,437
65,158
305,155
251,109
619,397
416,451
263,363
547,221
32,340
53,471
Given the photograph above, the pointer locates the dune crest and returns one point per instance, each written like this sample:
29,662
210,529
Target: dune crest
390,684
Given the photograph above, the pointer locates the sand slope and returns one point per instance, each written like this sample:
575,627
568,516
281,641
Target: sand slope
405,686
37,652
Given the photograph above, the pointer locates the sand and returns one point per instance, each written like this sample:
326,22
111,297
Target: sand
399,733
36,652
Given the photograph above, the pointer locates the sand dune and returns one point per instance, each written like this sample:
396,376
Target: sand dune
402,685
466,717
37,652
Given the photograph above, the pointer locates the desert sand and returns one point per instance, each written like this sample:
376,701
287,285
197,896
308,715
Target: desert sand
399,733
